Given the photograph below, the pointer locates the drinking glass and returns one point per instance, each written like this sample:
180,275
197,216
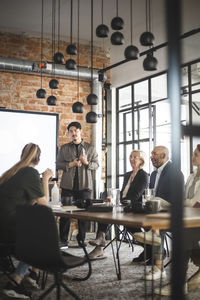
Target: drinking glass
149,194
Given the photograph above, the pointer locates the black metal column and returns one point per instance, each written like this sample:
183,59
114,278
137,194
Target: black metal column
174,85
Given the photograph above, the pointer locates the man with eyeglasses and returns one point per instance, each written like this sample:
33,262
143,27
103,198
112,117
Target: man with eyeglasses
77,159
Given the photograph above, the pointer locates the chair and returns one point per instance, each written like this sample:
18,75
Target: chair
37,244
6,263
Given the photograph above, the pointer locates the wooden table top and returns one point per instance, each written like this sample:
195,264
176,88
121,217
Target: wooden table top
154,221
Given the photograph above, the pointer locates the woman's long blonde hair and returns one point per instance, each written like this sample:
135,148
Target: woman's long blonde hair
30,155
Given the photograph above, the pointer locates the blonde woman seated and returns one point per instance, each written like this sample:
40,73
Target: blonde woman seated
21,185
135,182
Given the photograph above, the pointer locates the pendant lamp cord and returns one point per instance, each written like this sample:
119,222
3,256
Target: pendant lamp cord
78,58
91,46
58,25
117,7
131,20
53,36
102,12
71,21
41,42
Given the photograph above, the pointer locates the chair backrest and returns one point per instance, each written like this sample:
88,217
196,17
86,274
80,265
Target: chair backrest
37,241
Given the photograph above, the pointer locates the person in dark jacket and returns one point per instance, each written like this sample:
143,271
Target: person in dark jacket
135,182
160,182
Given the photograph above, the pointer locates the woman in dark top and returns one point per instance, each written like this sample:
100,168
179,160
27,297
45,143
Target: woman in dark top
135,182
21,184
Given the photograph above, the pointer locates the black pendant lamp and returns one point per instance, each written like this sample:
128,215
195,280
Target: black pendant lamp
102,30
91,117
147,37
117,23
71,48
131,52
150,62
78,107
51,100
58,56
92,99
53,83
41,93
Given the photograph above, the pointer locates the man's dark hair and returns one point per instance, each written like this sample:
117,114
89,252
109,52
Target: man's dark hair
75,124
198,147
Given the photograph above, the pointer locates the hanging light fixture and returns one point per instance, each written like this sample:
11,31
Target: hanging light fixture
147,37
78,107
131,52
92,98
58,56
53,83
117,23
150,62
102,30
71,48
41,93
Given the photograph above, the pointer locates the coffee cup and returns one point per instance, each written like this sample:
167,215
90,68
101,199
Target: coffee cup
67,200
152,206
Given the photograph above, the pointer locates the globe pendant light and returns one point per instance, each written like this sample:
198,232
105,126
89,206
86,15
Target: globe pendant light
117,23
41,93
91,117
102,30
117,38
71,48
78,107
92,99
58,57
53,83
147,38
150,62
51,100
70,64
131,52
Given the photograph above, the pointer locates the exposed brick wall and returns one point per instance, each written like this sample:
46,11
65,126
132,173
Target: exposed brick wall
18,90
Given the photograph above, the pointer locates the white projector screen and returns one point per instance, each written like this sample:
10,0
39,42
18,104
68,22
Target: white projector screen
18,128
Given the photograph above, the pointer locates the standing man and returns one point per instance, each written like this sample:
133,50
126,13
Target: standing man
160,182
77,160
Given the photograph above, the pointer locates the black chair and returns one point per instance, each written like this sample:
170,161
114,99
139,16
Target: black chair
6,262
37,244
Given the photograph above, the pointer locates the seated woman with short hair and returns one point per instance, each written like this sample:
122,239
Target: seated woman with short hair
135,182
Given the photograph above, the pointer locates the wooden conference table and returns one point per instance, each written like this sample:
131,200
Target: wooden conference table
148,221
154,221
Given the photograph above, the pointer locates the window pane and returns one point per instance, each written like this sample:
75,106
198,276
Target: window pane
125,99
145,147
129,148
121,159
163,123
141,92
144,123
196,109
159,87
195,73
121,127
129,133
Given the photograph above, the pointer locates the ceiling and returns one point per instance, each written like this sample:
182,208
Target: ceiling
24,17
